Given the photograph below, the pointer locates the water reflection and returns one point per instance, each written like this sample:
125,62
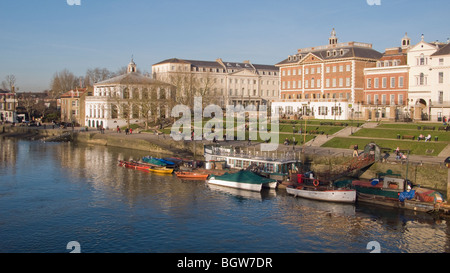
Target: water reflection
53,193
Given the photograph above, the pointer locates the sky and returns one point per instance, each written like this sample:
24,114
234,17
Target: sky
41,37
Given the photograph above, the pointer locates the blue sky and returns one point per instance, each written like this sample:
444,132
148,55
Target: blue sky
39,38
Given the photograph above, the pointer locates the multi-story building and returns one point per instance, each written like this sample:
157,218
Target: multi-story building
220,82
8,106
325,82
127,99
440,87
73,106
424,69
386,85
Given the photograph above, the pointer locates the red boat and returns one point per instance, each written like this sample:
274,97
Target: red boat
135,165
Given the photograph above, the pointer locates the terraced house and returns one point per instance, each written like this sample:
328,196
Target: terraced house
325,82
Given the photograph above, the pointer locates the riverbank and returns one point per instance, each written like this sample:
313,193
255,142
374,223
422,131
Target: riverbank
428,171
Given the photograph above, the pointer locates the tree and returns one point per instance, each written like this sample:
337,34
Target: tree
62,82
10,83
97,75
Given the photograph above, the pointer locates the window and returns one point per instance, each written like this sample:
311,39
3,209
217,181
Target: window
334,82
313,70
294,84
401,81
369,83
441,77
299,71
422,60
334,68
392,82
392,100
347,82
341,82
294,72
441,61
384,82
289,72
300,84
319,83
422,79
327,69
327,83
375,99
307,71
341,68
318,70
400,99
306,84
441,97
383,99
348,68
312,83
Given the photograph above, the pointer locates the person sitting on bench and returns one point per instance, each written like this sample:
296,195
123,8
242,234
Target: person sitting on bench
421,137
428,138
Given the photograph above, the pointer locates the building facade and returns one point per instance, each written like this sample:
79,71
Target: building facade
440,84
220,82
423,80
8,106
73,106
325,82
386,85
128,99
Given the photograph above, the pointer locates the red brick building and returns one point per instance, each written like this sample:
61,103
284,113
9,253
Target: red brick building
326,82
386,85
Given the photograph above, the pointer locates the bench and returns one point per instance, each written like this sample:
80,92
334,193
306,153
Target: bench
428,128
408,137
443,128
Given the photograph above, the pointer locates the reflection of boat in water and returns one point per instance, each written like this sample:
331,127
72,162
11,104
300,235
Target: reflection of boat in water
334,208
245,180
262,195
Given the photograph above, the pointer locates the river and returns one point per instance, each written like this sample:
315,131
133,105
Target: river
55,193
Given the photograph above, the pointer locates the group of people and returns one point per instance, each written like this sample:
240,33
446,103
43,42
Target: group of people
399,155
422,137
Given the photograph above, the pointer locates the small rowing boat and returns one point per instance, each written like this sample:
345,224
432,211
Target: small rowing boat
160,170
192,175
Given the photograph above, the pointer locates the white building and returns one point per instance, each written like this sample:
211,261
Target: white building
440,83
220,82
127,98
424,86
8,106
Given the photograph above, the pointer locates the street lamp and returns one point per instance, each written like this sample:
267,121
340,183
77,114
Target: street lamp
293,138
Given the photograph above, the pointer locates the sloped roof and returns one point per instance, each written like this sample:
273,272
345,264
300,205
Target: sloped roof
442,51
348,52
130,78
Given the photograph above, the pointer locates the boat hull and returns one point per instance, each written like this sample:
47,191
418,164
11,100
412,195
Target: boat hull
341,196
241,185
192,176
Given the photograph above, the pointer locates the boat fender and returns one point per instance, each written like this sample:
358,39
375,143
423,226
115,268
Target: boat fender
316,183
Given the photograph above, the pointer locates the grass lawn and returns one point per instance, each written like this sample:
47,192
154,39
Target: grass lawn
392,133
416,148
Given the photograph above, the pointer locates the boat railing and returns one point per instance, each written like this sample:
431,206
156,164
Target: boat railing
253,154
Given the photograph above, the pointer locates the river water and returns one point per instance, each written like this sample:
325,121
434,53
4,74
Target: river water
55,193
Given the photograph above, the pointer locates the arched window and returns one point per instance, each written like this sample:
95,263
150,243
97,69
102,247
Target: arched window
126,93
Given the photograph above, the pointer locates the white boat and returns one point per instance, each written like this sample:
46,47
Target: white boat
244,180
324,194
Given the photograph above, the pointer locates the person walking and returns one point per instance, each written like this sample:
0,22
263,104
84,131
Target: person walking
355,150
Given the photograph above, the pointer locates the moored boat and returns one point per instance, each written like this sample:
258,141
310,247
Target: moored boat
391,190
191,175
160,170
323,194
135,165
245,180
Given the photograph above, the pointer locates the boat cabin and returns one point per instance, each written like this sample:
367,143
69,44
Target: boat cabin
269,163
